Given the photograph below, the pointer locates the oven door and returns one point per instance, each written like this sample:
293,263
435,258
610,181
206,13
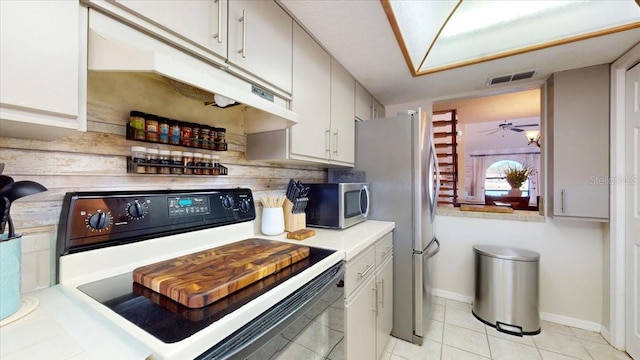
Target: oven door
304,325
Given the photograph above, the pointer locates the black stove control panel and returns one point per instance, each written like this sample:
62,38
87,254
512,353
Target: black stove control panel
91,220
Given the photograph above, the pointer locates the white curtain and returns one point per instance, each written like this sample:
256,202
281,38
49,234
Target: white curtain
478,174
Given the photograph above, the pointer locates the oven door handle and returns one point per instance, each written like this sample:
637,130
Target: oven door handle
272,322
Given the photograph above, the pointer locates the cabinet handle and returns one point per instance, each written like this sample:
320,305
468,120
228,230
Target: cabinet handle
381,299
375,295
386,251
335,144
243,20
366,271
327,143
219,34
562,201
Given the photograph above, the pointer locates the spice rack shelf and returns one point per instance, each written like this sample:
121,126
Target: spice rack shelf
143,136
158,169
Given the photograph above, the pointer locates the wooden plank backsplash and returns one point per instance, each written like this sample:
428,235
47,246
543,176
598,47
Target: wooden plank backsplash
96,159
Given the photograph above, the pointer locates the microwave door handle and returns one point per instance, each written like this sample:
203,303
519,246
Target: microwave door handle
365,189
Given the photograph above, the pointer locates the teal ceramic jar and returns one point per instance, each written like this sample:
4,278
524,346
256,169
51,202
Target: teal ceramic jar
10,253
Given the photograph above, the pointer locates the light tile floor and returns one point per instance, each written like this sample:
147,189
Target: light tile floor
455,334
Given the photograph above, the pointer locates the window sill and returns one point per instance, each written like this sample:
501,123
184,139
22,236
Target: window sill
517,215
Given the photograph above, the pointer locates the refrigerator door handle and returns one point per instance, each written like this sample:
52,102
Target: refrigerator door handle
418,325
433,253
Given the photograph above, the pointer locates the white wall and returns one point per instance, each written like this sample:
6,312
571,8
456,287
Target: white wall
571,263
478,138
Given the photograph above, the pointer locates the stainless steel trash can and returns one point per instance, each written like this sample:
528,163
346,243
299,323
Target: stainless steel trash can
507,289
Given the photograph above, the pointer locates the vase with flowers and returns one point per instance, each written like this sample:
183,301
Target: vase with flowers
516,176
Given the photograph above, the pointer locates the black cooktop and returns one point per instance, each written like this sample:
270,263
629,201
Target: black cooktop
170,321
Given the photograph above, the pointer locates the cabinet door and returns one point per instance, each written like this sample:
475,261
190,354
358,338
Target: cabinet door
43,82
384,321
378,110
260,41
311,97
342,115
364,104
202,22
360,323
580,133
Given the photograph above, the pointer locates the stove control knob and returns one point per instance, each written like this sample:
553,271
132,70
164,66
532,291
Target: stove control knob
228,202
244,205
137,210
99,221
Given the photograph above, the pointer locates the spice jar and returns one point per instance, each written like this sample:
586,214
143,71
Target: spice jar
163,130
137,124
206,164
176,162
215,159
174,132
195,135
139,159
185,134
220,144
187,162
151,127
152,161
164,161
205,137
197,162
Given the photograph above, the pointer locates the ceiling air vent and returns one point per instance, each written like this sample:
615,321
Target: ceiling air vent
512,77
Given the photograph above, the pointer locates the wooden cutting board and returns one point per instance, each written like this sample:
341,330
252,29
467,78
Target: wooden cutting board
201,278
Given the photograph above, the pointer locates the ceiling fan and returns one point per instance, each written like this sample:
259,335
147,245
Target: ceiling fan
508,126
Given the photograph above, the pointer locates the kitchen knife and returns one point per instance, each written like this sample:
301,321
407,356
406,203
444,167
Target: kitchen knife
290,188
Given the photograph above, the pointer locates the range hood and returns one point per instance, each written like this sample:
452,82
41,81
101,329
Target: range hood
116,47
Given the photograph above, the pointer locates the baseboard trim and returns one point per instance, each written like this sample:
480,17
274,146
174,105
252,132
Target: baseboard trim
452,296
555,318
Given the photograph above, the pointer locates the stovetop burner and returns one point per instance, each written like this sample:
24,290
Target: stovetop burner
170,321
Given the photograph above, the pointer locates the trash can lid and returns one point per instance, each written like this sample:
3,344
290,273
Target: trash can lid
507,252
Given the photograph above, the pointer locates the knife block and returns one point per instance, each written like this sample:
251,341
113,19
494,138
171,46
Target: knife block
293,222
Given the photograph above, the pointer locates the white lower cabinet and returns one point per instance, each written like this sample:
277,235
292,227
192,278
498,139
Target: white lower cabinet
369,301
384,319
360,323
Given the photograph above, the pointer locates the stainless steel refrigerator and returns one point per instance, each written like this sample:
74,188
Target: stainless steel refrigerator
399,161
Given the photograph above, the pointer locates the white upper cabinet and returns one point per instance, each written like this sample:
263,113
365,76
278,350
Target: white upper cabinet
311,137
378,110
342,116
43,69
364,104
202,23
260,44
578,143
323,96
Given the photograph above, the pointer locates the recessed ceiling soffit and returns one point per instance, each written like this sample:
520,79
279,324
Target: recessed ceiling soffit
441,35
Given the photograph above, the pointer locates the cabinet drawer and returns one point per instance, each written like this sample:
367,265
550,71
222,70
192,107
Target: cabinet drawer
359,269
384,248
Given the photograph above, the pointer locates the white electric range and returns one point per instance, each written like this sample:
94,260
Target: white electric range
104,236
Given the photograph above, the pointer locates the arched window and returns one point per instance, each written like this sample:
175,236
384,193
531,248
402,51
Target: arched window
495,183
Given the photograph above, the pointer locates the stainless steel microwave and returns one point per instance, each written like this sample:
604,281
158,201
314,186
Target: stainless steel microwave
337,206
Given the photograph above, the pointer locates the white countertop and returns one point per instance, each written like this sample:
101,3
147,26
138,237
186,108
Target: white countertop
63,327
351,240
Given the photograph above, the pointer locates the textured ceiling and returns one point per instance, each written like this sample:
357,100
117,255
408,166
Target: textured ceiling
357,33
